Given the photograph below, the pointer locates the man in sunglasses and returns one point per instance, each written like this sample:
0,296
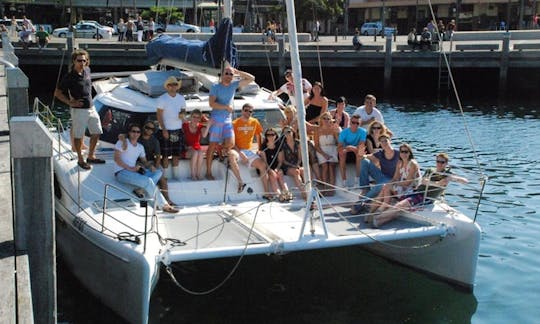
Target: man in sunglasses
434,183
351,147
221,101
75,90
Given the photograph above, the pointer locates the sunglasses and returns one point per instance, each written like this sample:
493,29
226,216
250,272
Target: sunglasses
196,117
228,73
376,127
81,61
355,123
441,162
135,131
270,134
326,118
149,128
172,84
404,151
248,111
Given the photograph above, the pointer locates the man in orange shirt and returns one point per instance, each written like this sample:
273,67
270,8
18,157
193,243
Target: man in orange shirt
246,128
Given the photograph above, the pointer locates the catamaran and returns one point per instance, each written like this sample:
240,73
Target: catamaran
116,243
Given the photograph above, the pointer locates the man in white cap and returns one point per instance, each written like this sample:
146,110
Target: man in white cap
171,108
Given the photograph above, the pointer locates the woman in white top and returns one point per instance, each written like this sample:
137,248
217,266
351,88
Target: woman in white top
326,139
126,169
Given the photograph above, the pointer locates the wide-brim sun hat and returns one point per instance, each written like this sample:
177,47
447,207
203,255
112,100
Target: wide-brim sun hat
170,80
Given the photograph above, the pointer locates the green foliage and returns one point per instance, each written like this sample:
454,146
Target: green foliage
164,14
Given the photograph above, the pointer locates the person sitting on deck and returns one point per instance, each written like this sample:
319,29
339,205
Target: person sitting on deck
381,167
434,183
193,131
351,147
126,169
246,128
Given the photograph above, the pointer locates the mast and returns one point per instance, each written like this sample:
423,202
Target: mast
297,73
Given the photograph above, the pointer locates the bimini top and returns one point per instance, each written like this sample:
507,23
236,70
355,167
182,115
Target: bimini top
209,54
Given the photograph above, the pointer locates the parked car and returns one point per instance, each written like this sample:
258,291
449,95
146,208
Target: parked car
85,30
181,27
95,23
372,28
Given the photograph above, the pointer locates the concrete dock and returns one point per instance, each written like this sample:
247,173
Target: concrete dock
15,299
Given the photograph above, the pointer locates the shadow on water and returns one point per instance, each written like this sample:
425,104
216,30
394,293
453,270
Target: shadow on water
342,285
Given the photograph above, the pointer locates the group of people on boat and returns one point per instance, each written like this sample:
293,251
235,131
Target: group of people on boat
385,175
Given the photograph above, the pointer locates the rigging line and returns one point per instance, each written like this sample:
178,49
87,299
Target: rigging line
454,89
317,45
256,7
233,270
58,75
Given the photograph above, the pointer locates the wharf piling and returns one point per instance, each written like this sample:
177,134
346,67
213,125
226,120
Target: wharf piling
27,244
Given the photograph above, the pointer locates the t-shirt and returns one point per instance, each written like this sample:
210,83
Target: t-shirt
388,167
78,86
130,155
348,137
42,35
244,131
171,107
434,176
225,96
288,88
361,111
193,140
151,147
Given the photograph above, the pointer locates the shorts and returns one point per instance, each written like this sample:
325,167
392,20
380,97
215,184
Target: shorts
220,131
251,156
82,118
174,145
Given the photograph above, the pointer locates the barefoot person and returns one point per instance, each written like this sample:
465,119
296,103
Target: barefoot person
75,90
434,183
221,101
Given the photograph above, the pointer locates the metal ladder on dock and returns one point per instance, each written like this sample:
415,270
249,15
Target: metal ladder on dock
444,77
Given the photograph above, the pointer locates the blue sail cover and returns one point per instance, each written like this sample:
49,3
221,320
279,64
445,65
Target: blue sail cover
196,52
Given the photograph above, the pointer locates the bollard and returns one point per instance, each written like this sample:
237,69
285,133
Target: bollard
503,69
388,66
31,153
17,92
336,33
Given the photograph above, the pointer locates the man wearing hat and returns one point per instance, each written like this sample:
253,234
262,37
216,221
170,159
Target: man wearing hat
288,88
222,102
171,107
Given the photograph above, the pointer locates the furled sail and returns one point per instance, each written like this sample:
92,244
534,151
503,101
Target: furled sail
193,53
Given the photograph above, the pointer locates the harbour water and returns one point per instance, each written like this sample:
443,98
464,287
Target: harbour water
350,285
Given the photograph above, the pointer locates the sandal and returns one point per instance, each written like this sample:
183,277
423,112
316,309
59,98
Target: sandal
84,165
138,193
95,161
170,209
241,187
282,197
268,197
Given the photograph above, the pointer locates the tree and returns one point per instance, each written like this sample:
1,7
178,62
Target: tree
164,14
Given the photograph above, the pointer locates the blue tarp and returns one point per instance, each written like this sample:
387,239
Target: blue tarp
208,54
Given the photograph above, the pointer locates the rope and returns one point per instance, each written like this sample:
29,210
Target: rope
454,89
229,275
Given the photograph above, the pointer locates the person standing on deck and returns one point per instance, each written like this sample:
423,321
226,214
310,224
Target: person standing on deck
171,108
221,101
75,90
